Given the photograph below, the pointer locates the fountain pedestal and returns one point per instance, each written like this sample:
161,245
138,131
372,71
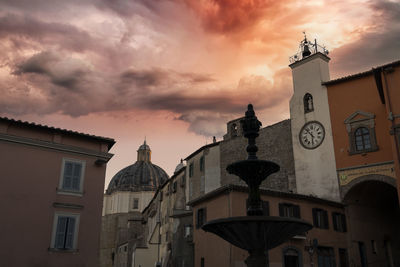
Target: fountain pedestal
255,233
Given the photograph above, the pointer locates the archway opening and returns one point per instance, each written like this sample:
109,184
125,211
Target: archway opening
373,216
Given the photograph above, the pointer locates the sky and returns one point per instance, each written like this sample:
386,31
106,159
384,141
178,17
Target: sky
174,71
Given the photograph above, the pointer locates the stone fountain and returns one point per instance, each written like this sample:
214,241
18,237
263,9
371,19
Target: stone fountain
255,232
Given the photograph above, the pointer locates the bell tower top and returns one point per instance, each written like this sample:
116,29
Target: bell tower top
308,49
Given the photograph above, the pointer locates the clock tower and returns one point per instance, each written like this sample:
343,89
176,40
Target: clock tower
314,157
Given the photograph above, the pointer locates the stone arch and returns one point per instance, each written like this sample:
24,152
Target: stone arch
371,177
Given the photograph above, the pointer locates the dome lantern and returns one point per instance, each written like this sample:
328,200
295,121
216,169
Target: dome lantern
144,153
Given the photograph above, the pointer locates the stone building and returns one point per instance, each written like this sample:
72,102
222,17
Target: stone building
51,190
127,195
339,163
167,223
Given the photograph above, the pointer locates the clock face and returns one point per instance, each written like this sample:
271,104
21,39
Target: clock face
312,134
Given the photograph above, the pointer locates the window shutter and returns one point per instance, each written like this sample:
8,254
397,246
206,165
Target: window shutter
281,209
69,242
265,207
60,232
76,178
325,218
335,217
314,215
296,211
67,179
343,219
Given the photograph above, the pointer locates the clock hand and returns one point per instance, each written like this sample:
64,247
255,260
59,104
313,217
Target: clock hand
308,131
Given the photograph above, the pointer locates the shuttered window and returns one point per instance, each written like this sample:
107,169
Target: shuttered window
320,218
289,210
339,222
72,175
65,232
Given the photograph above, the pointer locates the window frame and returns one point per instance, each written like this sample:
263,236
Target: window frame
305,103
202,163
294,210
200,221
60,188
57,214
339,222
191,170
361,119
324,221
135,201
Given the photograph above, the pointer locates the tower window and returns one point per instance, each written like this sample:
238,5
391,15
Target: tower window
363,139
308,103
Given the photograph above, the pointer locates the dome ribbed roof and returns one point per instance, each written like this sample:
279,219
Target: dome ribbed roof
140,176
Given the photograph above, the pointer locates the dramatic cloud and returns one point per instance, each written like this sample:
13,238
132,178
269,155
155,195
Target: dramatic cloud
375,46
202,61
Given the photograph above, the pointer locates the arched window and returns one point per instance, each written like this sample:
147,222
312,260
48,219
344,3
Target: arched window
292,257
362,138
234,129
308,103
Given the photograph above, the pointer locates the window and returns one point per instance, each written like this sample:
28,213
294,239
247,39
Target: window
174,187
72,173
135,203
308,103
191,170
65,231
320,218
339,222
326,257
264,204
291,257
183,181
188,230
201,217
363,139
202,163
363,254
360,127
343,259
289,210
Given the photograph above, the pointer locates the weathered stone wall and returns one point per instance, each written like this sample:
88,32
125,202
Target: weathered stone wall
110,225
274,144
182,246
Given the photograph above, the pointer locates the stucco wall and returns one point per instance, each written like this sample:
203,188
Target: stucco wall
30,176
217,252
315,168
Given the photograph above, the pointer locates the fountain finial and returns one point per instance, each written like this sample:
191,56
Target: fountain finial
251,126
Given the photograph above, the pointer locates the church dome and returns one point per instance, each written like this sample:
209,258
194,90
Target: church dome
179,166
140,176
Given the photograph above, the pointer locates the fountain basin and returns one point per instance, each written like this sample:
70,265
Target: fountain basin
257,232
251,169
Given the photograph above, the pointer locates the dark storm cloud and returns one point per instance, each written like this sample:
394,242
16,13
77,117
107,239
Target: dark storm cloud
69,86
375,47
61,72
64,36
